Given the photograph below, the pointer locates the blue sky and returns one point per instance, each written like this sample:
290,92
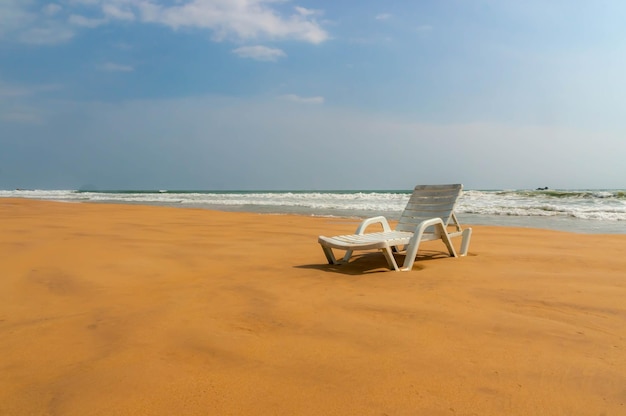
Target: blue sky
273,94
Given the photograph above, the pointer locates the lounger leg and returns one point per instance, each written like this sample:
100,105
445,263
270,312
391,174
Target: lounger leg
347,256
391,261
446,239
328,252
411,252
466,236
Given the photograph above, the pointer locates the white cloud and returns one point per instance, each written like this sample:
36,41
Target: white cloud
83,21
83,2
23,21
49,34
259,52
113,67
115,11
51,9
238,19
12,90
8,91
383,16
303,100
13,15
307,12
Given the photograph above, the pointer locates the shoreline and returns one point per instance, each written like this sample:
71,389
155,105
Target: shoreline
140,309
599,211
554,223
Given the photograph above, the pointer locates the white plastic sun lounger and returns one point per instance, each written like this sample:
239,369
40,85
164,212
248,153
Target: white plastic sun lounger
426,217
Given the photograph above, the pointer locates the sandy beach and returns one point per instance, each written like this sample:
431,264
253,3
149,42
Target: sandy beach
141,310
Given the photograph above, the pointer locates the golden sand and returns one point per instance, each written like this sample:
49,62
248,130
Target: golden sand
136,310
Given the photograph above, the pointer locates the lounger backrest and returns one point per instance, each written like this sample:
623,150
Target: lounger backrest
429,201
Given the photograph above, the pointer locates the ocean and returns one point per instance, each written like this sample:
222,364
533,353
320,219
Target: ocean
597,211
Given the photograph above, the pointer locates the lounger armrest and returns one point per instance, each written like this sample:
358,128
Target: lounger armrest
412,248
374,220
422,226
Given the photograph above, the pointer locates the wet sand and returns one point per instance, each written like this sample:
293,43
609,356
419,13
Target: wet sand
139,310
